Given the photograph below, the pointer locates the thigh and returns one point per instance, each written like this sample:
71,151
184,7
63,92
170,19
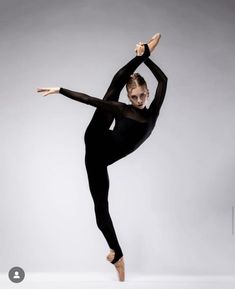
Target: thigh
98,178
102,119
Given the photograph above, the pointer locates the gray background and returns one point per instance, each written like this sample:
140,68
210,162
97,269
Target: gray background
171,200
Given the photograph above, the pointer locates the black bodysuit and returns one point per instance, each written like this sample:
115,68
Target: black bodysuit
104,146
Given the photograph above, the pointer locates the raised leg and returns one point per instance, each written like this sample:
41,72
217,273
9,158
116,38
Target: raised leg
122,76
101,119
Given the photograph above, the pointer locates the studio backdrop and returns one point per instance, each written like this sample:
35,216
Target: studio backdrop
171,201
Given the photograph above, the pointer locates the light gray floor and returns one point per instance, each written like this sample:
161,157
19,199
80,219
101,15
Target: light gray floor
97,280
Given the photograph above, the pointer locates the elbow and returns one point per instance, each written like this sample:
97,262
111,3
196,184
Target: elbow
164,80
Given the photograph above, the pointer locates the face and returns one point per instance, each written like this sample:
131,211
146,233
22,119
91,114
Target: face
138,96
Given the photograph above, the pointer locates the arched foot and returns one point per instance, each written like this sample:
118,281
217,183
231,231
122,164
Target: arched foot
152,43
119,265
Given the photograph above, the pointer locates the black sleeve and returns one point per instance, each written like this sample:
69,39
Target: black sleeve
161,88
122,76
108,105
116,108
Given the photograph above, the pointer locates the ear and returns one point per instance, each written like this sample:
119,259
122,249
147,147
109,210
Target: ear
128,94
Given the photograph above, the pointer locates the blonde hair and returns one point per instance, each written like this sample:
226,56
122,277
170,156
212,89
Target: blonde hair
135,80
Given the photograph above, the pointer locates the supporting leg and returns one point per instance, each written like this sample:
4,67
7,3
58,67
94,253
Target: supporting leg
99,186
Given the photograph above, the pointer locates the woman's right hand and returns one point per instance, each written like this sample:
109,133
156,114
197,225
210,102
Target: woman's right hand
139,49
48,90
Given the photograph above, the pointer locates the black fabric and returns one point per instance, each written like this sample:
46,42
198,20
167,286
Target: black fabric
104,146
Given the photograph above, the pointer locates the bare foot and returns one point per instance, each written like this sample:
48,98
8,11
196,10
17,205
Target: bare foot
152,43
119,265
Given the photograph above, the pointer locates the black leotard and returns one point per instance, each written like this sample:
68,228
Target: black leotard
104,146
132,125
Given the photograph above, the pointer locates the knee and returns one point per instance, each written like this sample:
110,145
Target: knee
102,218
100,224
101,209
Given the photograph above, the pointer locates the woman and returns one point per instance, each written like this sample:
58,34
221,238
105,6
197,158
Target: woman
133,124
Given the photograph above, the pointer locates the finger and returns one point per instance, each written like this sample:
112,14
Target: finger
42,89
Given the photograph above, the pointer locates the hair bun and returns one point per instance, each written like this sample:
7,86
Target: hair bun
134,80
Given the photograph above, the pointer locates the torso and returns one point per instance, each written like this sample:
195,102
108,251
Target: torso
129,133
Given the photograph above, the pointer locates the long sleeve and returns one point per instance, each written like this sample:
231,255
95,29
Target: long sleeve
112,106
116,108
161,87
122,76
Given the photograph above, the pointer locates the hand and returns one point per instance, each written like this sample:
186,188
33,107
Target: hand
139,49
48,90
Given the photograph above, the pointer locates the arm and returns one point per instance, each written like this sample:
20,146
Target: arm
114,107
161,88
121,77
111,106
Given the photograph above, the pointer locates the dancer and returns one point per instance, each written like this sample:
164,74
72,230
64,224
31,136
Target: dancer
133,125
